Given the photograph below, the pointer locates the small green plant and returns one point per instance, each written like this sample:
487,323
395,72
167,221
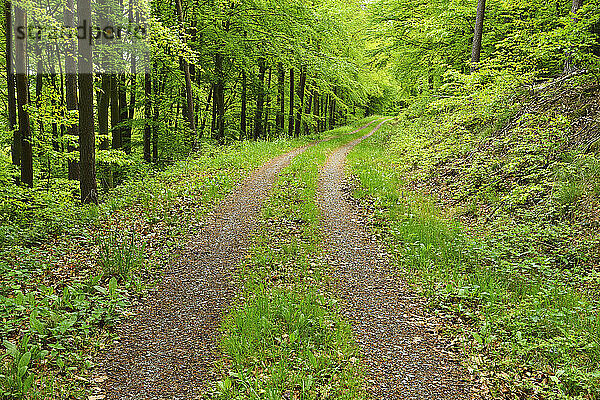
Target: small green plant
15,377
121,254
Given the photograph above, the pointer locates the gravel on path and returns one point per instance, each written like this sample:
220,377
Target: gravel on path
403,357
167,350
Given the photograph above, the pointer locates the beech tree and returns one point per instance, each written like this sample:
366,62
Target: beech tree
22,86
87,134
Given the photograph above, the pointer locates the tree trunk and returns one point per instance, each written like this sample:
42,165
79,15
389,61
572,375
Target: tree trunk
22,86
332,109
291,115
298,124
147,115
219,97
71,90
569,65
55,142
87,138
132,100
115,112
308,110
159,87
213,118
185,67
267,103
260,98
476,51
243,112
279,119
124,115
10,85
316,111
206,110
324,113
103,107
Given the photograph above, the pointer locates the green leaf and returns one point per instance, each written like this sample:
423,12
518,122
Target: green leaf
112,288
11,348
478,337
24,361
36,324
313,360
28,383
21,371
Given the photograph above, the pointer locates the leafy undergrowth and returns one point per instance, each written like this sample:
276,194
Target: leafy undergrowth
70,272
498,227
285,339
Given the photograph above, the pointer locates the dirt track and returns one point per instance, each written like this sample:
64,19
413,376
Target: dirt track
403,357
169,348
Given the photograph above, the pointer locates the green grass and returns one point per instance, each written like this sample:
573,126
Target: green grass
284,338
531,331
63,290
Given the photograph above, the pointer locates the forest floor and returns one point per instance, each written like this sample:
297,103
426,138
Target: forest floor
170,346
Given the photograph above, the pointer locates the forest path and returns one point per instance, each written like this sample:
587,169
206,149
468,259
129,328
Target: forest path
402,354
169,348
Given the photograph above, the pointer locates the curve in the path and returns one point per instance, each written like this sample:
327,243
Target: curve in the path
402,355
168,349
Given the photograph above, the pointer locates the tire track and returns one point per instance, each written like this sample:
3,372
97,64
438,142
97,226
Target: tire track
168,349
402,354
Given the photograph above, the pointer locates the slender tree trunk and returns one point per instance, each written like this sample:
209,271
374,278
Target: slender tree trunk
147,115
267,103
568,64
324,113
159,87
213,118
71,91
10,85
176,119
39,82
185,67
132,99
291,115
308,110
87,145
219,97
243,113
103,107
260,98
22,86
298,124
55,142
206,110
104,93
279,119
316,111
332,109
476,50
124,115
115,112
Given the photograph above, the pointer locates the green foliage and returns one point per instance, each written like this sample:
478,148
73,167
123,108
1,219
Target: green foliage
497,233
120,254
60,298
528,41
15,378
